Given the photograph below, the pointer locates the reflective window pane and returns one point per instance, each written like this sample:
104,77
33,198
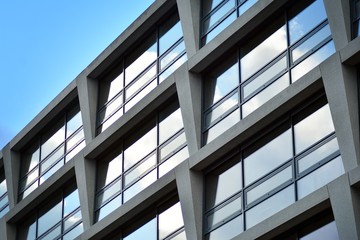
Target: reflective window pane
140,185
109,192
320,177
74,122
263,53
317,155
170,221
170,32
218,15
224,213
170,125
74,232
173,161
265,95
306,20
228,230
267,157
209,5
269,185
172,146
218,111
140,148
313,128
108,208
140,82
270,206
52,141
214,32
221,81
223,183
140,170
73,219
222,126
312,61
246,5
71,202
146,231
50,218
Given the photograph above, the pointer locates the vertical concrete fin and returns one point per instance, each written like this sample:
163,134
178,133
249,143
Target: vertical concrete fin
189,12
340,82
338,13
12,174
88,95
190,188
343,202
86,182
188,87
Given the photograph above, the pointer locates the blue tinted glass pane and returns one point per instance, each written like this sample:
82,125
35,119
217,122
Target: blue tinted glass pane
270,206
173,161
228,230
3,188
268,157
320,177
170,37
220,186
71,202
245,6
310,43
222,126
146,231
215,31
312,61
170,220
50,218
208,5
140,185
218,14
306,20
263,53
218,85
313,128
218,111
108,208
74,232
223,213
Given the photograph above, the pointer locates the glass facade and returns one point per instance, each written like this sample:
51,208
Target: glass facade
144,156
48,153
297,157
59,218
4,200
356,17
218,14
260,69
140,71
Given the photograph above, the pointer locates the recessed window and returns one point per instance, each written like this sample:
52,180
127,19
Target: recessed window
356,17
292,160
59,218
161,222
4,200
218,14
322,226
51,150
260,69
140,71
140,159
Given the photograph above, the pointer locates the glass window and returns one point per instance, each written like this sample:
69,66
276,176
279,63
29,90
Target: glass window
218,14
262,67
165,221
4,200
321,226
149,153
138,72
356,18
59,218
268,174
51,150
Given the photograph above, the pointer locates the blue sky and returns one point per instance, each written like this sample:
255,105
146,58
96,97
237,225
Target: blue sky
45,44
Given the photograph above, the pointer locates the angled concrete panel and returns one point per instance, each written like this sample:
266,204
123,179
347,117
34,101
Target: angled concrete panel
338,13
340,82
345,204
12,172
189,12
188,86
88,95
190,188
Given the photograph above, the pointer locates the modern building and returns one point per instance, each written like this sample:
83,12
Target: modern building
205,119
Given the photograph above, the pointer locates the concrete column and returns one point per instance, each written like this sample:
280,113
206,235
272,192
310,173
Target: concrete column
12,174
189,12
188,87
85,171
339,17
190,188
88,96
340,82
345,203
7,230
